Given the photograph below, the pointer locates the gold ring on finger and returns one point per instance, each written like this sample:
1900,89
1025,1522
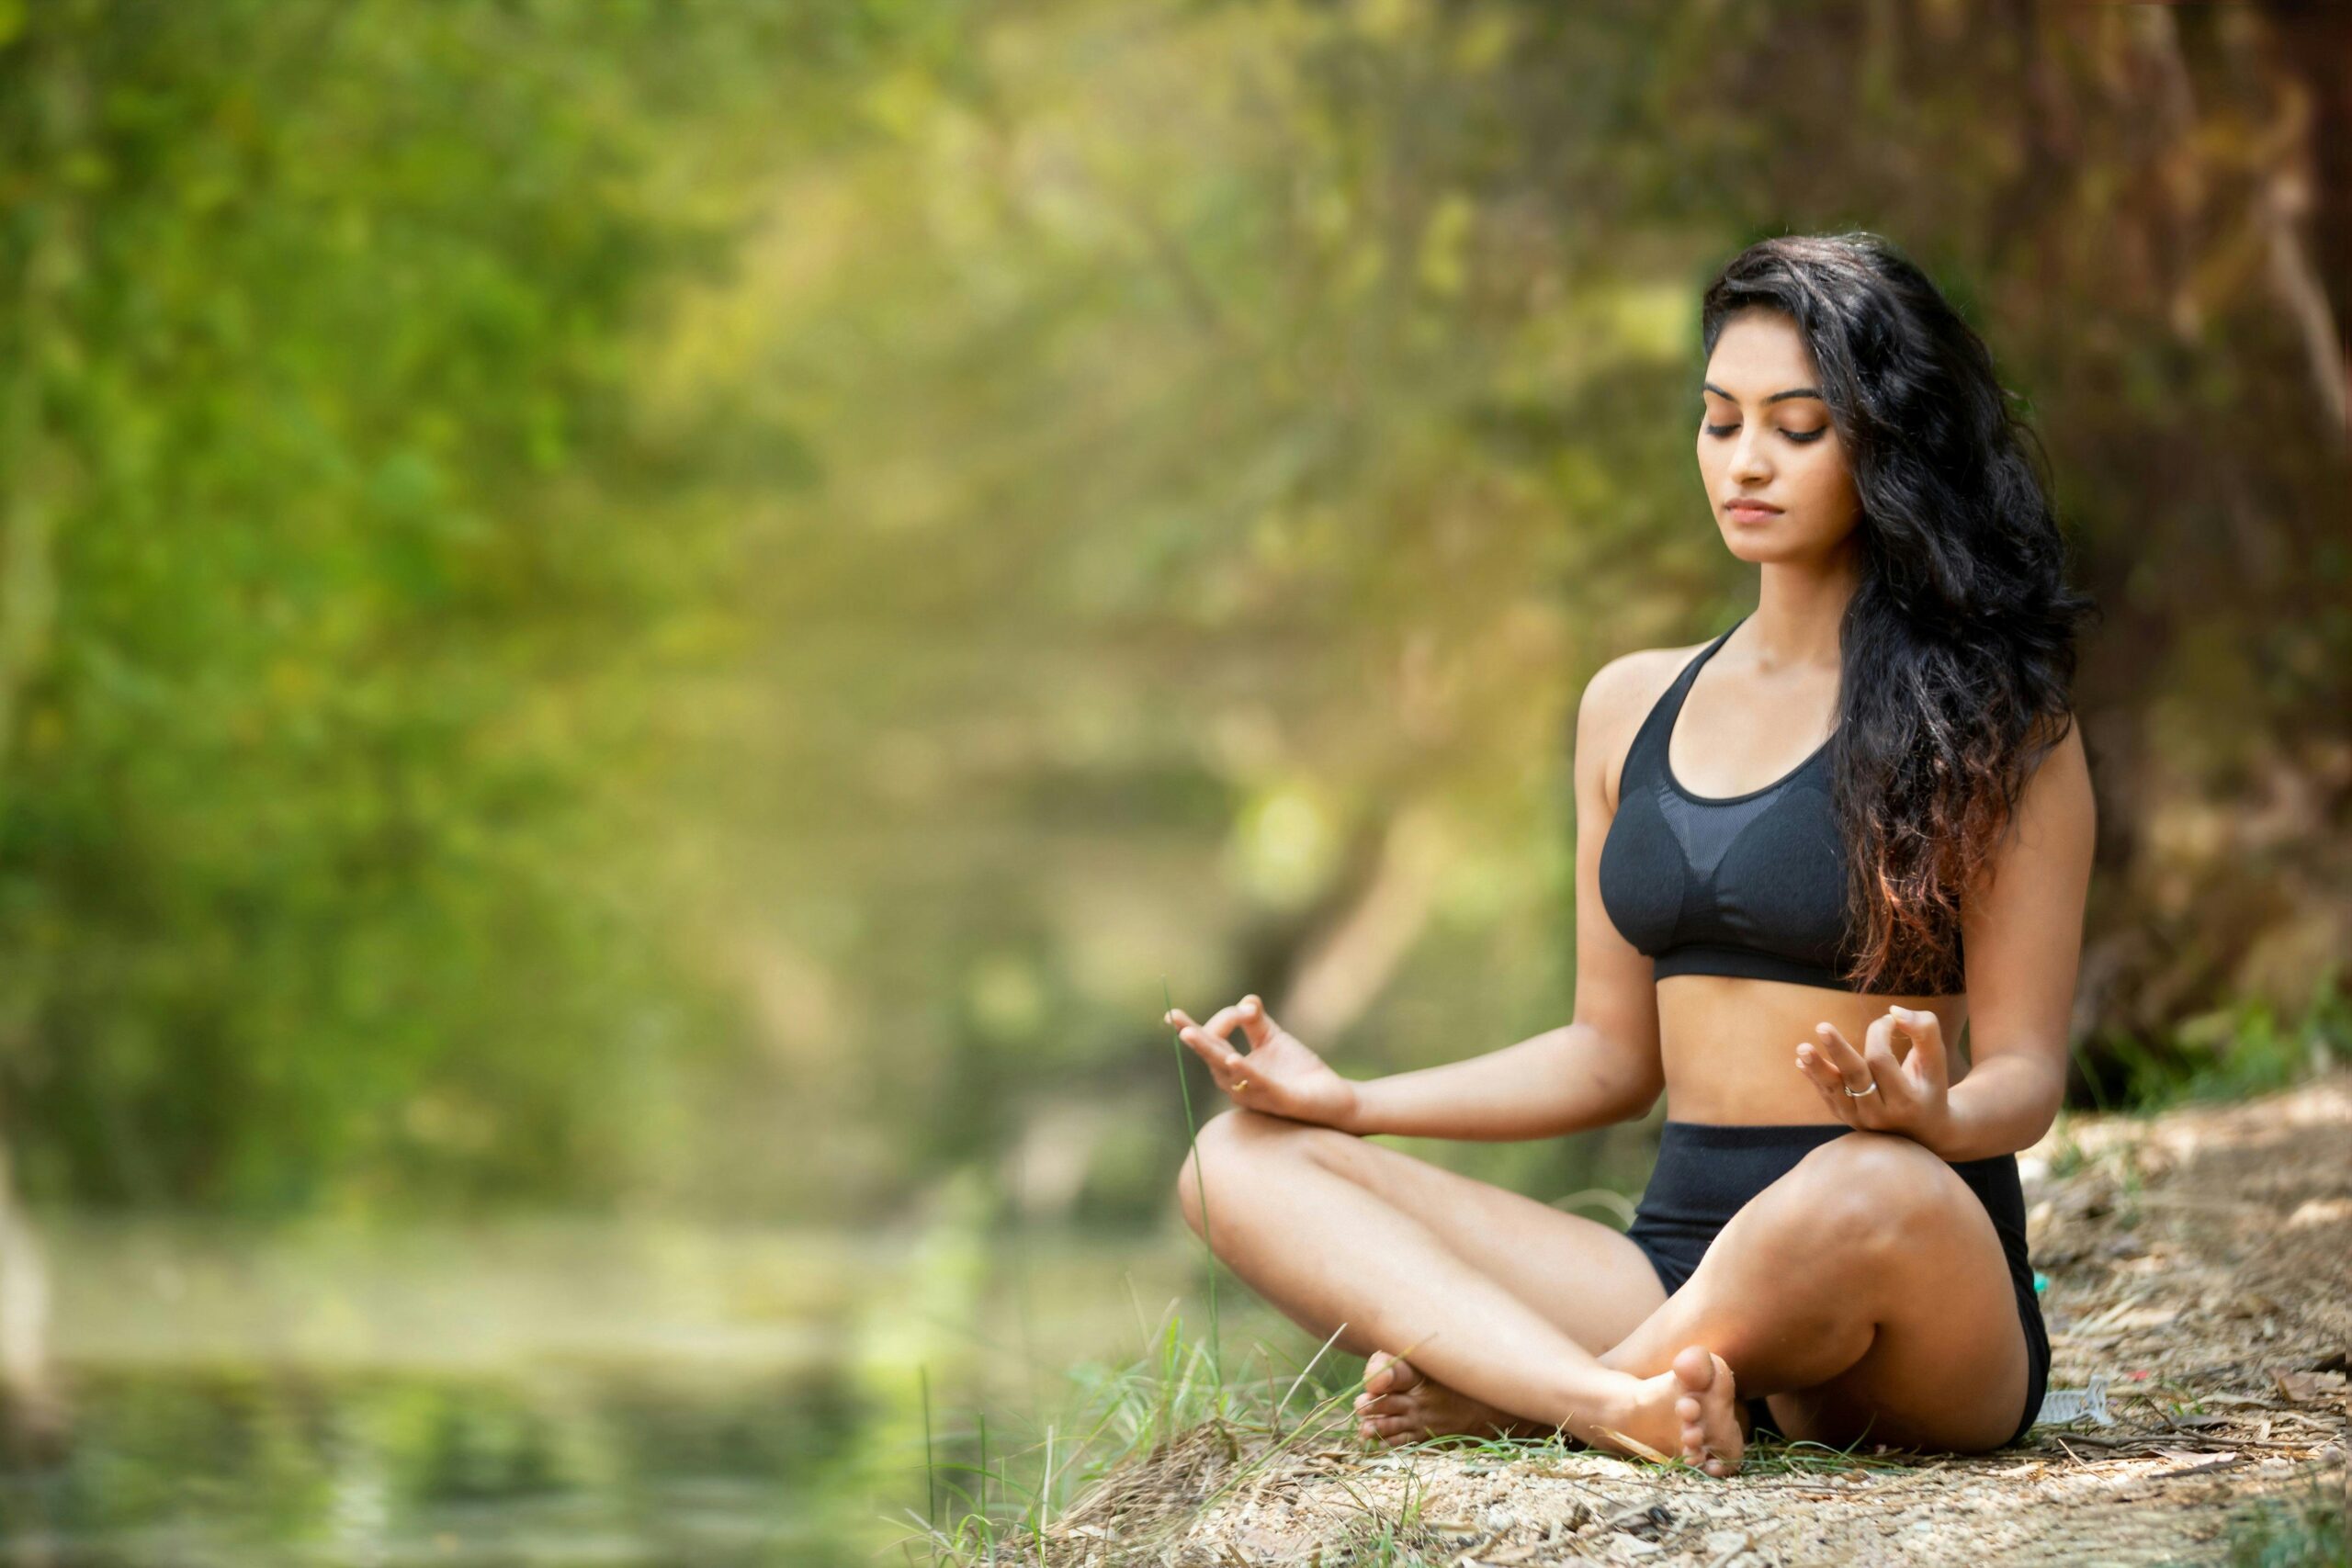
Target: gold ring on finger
1240,1083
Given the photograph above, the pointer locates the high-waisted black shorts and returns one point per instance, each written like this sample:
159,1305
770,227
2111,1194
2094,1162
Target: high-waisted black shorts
1706,1173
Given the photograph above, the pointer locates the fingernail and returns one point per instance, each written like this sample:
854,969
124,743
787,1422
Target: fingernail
1821,1029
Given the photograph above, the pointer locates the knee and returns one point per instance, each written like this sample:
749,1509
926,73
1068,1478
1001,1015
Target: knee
1873,1191
1230,1138
1221,1137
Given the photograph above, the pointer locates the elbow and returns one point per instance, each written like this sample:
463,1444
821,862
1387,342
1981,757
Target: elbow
1632,1098
2045,1096
1636,1080
1604,1081
1639,1101
2051,1100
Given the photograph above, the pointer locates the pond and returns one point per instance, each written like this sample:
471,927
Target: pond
557,1392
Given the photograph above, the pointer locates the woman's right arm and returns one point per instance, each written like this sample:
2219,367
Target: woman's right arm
1562,1080
1602,1067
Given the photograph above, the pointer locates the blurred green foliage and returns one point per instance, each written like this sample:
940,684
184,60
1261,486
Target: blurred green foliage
344,597
693,604
2231,1053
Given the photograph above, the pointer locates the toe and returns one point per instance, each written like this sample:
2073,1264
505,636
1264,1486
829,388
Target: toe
1695,1367
1708,1411
1384,1373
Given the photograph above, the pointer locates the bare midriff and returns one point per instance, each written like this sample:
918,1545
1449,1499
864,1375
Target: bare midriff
1729,1044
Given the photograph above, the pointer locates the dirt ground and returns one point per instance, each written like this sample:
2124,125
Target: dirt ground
2199,1262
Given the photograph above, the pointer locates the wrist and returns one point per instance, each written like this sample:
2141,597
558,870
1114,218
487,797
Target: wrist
1358,1114
1938,1129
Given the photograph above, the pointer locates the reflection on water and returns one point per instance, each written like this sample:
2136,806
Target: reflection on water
549,1395
257,1465
607,1392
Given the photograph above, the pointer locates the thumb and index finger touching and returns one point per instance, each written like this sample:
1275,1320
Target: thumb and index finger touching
1212,1040
1928,1057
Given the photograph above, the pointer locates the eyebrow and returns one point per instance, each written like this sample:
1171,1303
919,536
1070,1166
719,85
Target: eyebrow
1792,392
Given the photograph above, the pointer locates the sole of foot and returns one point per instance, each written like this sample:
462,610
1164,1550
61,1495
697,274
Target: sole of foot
1706,1408
1400,1404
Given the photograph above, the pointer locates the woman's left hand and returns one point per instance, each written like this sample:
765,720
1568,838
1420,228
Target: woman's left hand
1910,1096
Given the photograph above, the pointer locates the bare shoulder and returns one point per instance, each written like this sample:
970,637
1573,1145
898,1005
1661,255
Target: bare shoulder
1616,700
2057,805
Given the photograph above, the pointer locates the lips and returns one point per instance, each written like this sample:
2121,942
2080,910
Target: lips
1755,506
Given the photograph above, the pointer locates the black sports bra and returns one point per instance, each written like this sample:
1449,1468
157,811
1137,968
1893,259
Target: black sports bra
1747,884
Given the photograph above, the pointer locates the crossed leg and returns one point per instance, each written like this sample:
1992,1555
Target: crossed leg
1865,1292
1900,1321
1502,1301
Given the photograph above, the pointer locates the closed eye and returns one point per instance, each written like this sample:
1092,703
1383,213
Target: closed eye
1802,437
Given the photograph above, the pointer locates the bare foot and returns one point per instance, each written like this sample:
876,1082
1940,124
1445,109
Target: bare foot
1691,1411
1401,1403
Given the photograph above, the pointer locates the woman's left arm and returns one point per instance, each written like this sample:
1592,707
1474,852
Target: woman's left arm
2022,927
2022,930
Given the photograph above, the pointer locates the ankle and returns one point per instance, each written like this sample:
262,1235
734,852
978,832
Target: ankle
1591,1398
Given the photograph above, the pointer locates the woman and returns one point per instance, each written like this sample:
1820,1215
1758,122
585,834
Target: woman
1785,933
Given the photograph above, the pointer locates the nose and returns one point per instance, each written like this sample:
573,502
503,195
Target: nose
1748,460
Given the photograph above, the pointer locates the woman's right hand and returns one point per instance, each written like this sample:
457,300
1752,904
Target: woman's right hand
1279,1075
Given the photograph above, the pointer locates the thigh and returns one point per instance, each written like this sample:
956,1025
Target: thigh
1578,1274
1946,1366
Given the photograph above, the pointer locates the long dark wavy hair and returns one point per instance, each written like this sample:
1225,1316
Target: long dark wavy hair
1957,650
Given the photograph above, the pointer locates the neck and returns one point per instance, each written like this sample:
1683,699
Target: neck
1798,605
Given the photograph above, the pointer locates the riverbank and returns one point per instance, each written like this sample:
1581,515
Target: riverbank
2200,1267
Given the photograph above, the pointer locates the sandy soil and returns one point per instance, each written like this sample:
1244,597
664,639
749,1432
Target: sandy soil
2201,1262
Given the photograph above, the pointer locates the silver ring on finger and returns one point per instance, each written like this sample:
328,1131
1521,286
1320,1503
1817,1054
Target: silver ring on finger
1857,1093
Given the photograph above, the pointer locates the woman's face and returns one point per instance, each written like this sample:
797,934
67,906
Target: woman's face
1765,435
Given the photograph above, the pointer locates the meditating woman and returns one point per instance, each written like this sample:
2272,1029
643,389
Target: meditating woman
1784,934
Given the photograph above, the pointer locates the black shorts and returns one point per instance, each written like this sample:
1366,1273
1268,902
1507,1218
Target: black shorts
1707,1172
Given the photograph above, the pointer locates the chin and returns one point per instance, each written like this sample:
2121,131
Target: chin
1775,542
1751,545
